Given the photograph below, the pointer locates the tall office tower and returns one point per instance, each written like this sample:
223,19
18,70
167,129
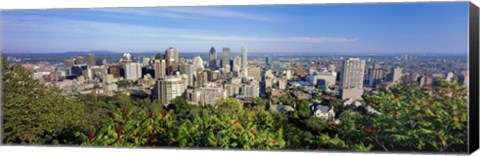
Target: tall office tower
212,59
97,72
198,63
268,63
172,53
377,75
226,58
79,60
146,61
169,61
180,66
115,70
396,74
133,71
237,63
168,88
126,58
201,78
352,78
254,72
91,59
160,67
288,74
68,62
191,73
78,69
244,58
100,62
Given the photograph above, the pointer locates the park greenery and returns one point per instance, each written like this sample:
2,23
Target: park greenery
411,119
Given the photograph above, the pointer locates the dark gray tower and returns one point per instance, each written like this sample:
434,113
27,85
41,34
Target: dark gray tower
213,59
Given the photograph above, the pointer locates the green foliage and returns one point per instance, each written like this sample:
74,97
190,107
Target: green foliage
413,119
35,114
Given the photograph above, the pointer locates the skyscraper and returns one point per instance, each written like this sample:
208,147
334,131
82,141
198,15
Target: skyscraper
101,62
237,63
133,71
115,70
212,59
268,63
244,58
226,58
198,63
376,75
68,62
352,78
396,74
168,88
160,67
91,59
169,61
172,53
79,60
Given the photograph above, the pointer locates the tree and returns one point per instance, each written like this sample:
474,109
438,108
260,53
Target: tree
35,114
414,120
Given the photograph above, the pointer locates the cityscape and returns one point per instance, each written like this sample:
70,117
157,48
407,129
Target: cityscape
168,75
237,95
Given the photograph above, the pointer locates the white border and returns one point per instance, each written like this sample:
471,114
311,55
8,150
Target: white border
50,4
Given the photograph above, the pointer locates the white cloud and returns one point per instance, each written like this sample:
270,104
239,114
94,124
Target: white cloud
196,13
40,33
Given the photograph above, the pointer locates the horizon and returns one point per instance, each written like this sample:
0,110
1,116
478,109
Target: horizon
426,28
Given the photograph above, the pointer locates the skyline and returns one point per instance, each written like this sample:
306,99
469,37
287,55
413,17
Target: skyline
340,28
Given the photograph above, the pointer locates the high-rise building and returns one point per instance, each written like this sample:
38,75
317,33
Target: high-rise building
396,74
376,75
198,63
79,60
352,78
169,62
250,90
68,62
254,72
160,67
101,62
146,61
288,74
91,59
115,70
173,54
168,88
191,73
210,93
212,59
226,58
78,69
133,71
127,58
268,63
244,58
232,89
201,78
237,63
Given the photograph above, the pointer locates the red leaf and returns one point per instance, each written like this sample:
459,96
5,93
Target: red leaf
119,129
90,135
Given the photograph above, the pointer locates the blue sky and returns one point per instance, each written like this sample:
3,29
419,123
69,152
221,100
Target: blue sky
328,28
